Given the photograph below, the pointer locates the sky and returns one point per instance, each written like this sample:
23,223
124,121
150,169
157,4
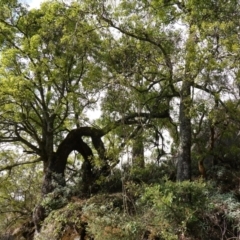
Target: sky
33,3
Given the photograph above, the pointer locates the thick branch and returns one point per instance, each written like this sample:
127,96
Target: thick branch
131,119
9,139
9,167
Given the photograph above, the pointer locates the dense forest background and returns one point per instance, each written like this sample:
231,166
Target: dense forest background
120,120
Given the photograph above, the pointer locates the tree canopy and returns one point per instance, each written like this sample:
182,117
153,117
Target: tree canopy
163,74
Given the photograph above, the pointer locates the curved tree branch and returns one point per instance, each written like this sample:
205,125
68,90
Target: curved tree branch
132,119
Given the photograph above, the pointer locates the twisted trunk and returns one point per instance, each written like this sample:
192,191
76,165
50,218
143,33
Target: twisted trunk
54,174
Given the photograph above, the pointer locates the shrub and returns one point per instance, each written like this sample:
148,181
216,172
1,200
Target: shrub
164,211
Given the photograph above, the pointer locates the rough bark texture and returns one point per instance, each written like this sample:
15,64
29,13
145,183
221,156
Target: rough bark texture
184,160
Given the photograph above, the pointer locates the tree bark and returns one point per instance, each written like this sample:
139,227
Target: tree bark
184,161
184,158
138,152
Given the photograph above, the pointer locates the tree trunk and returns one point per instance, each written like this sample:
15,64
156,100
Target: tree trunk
55,167
138,152
184,159
54,174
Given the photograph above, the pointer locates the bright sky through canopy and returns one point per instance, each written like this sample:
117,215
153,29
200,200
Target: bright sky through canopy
33,3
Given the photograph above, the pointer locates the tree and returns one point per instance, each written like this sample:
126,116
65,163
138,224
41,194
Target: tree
46,65
50,69
191,58
141,21
134,86
61,60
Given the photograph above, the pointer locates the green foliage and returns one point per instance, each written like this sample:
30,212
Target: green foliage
18,194
136,57
46,69
163,210
105,220
175,206
150,174
230,206
167,211
57,221
56,199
